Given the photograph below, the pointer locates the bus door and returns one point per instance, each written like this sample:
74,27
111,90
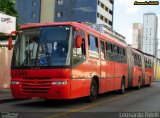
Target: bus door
110,67
102,67
78,87
143,70
93,61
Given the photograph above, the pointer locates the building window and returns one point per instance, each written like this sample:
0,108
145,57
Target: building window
111,1
60,2
110,12
59,14
98,15
33,3
110,23
101,17
33,14
98,2
106,21
102,5
106,8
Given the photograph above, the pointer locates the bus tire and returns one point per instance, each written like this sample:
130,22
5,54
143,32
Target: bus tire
93,91
123,90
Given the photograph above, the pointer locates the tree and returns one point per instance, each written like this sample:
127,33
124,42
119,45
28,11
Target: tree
8,7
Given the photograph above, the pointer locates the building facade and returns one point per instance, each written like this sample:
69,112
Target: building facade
150,26
28,11
137,36
35,11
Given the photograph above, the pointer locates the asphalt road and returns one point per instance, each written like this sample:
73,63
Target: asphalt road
111,105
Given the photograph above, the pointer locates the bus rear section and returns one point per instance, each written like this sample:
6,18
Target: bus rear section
140,68
148,69
135,67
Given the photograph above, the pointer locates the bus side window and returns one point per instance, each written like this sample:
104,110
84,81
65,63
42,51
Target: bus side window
115,53
121,54
140,64
79,54
118,54
109,50
102,50
93,46
146,64
135,59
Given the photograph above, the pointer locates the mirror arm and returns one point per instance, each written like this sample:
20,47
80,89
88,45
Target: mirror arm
10,39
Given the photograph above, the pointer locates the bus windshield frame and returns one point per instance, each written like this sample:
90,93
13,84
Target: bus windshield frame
45,47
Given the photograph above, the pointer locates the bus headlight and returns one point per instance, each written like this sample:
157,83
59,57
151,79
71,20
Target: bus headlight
59,82
14,82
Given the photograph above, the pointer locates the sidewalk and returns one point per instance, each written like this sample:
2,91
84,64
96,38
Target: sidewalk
5,95
157,80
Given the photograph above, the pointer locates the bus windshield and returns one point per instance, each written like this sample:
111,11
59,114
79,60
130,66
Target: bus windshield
43,46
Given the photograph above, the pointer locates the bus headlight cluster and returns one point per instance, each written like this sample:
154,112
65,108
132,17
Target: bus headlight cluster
59,82
14,82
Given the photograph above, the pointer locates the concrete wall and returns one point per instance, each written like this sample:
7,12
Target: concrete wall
47,11
137,36
5,62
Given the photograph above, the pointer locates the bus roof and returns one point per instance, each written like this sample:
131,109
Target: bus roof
75,24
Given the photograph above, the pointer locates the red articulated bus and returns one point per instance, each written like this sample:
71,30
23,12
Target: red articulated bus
70,60
140,67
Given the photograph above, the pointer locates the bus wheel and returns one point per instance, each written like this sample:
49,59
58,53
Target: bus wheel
122,91
93,91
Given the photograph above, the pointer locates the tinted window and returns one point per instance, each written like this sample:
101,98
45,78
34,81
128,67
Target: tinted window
93,46
78,53
102,50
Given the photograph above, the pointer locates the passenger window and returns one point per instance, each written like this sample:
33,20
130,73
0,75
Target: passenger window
102,50
79,54
108,47
93,46
115,49
124,52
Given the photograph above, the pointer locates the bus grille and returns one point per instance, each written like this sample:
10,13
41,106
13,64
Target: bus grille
40,86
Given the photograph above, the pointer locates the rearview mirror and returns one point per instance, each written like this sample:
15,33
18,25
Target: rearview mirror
10,39
78,41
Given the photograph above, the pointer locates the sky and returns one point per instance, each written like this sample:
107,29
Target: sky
126,13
